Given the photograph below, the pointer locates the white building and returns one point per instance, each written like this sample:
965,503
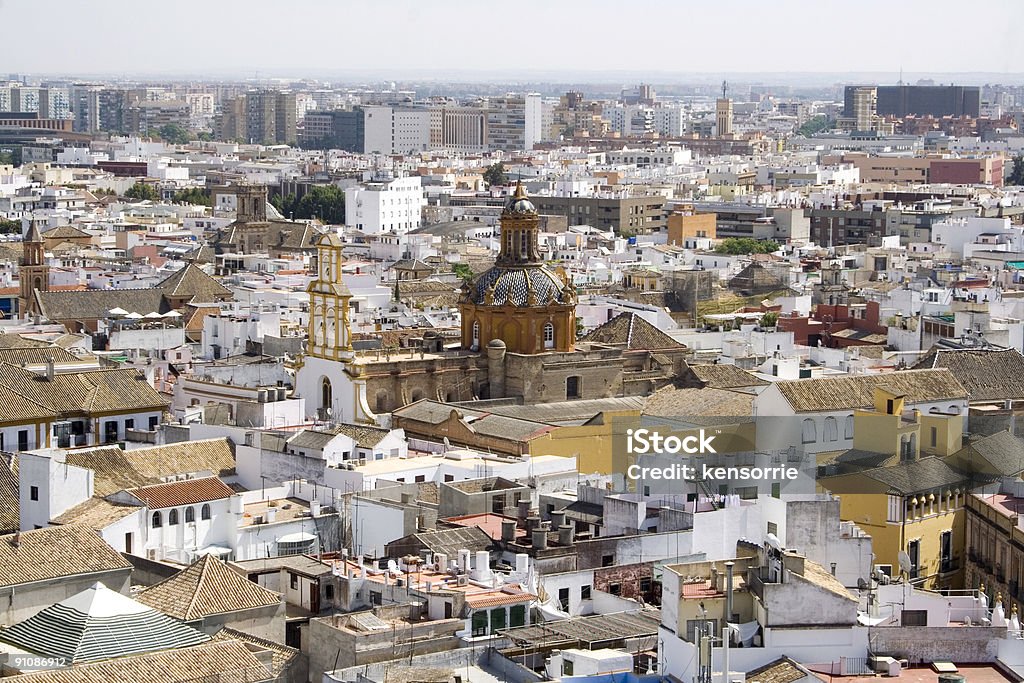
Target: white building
385,205
396,130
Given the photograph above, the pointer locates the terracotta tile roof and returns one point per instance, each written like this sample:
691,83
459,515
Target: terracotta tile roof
632,332
226,662
282,656
986,373
95,513
187,492
782,670
726,376
84,392
10,519
193,282
205,588
117,469
509,594
707,402
857,391
55,552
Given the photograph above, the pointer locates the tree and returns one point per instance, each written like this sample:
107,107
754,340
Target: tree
285,204
769,319
10,227
495,174
142,191
462,270
746,245
326,202
814,126
192,195
174,133
11,156
1017,174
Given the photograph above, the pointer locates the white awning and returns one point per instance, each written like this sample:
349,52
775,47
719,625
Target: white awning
297,537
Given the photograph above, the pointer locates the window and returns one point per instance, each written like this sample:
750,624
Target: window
376,598
645,585
476,333
747,492
172,518
158,520
325,395
585,592
895,513
190,515
129,424
776,489
946,552
934,436
329,591
848,427
914,617
563,599
831,432
615,588
572,386
204,513
293,580
517,616
607,560
23,440
478,622
810,431
153,422
773,528
33,493
914,551
549,336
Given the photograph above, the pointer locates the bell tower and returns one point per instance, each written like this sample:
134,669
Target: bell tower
33,272
330,336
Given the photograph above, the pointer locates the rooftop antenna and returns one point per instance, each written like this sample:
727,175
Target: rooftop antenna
900,82
725,88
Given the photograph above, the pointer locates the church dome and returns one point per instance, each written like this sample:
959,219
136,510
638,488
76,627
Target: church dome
518,287
520,204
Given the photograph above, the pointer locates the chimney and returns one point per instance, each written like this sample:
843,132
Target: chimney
540,538
532,523
728,589
16,540
508,530
565,534
49,369
524,508
557,519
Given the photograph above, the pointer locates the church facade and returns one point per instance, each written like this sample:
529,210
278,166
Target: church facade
518,341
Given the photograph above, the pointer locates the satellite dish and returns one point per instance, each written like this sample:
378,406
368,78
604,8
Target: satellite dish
904,560
862,584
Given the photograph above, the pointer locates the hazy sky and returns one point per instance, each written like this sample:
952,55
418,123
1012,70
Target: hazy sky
396,37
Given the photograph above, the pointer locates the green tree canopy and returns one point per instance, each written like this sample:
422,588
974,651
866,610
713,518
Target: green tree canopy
495,174
9,227
192,195
746,245
326,202
1017,173
462,270
142,191
174,133
814,126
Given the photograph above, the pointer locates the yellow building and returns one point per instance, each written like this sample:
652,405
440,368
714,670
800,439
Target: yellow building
685,224
900,483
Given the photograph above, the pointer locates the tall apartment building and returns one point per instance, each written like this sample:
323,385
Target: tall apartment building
149,117
459,129
396,130
264,117
337,129
919,100
514,122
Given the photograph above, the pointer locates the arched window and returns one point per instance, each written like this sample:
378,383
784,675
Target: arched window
204,513
172,518
810,431
831,432
549,336
158,520
190,515
848,429
325,393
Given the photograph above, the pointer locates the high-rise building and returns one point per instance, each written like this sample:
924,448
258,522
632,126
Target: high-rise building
919,100
337,129
396,130
265,117
723,116
514,122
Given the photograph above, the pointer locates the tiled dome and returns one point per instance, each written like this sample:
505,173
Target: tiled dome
511,286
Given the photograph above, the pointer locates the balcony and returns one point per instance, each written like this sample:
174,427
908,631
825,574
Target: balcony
949,564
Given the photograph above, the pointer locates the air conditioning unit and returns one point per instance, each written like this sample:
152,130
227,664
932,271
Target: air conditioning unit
462,580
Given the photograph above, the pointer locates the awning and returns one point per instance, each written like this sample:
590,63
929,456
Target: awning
297,537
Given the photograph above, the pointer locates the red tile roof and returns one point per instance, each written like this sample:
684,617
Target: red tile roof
187,492
508,595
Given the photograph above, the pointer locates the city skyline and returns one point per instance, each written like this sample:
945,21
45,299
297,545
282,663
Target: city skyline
562,42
